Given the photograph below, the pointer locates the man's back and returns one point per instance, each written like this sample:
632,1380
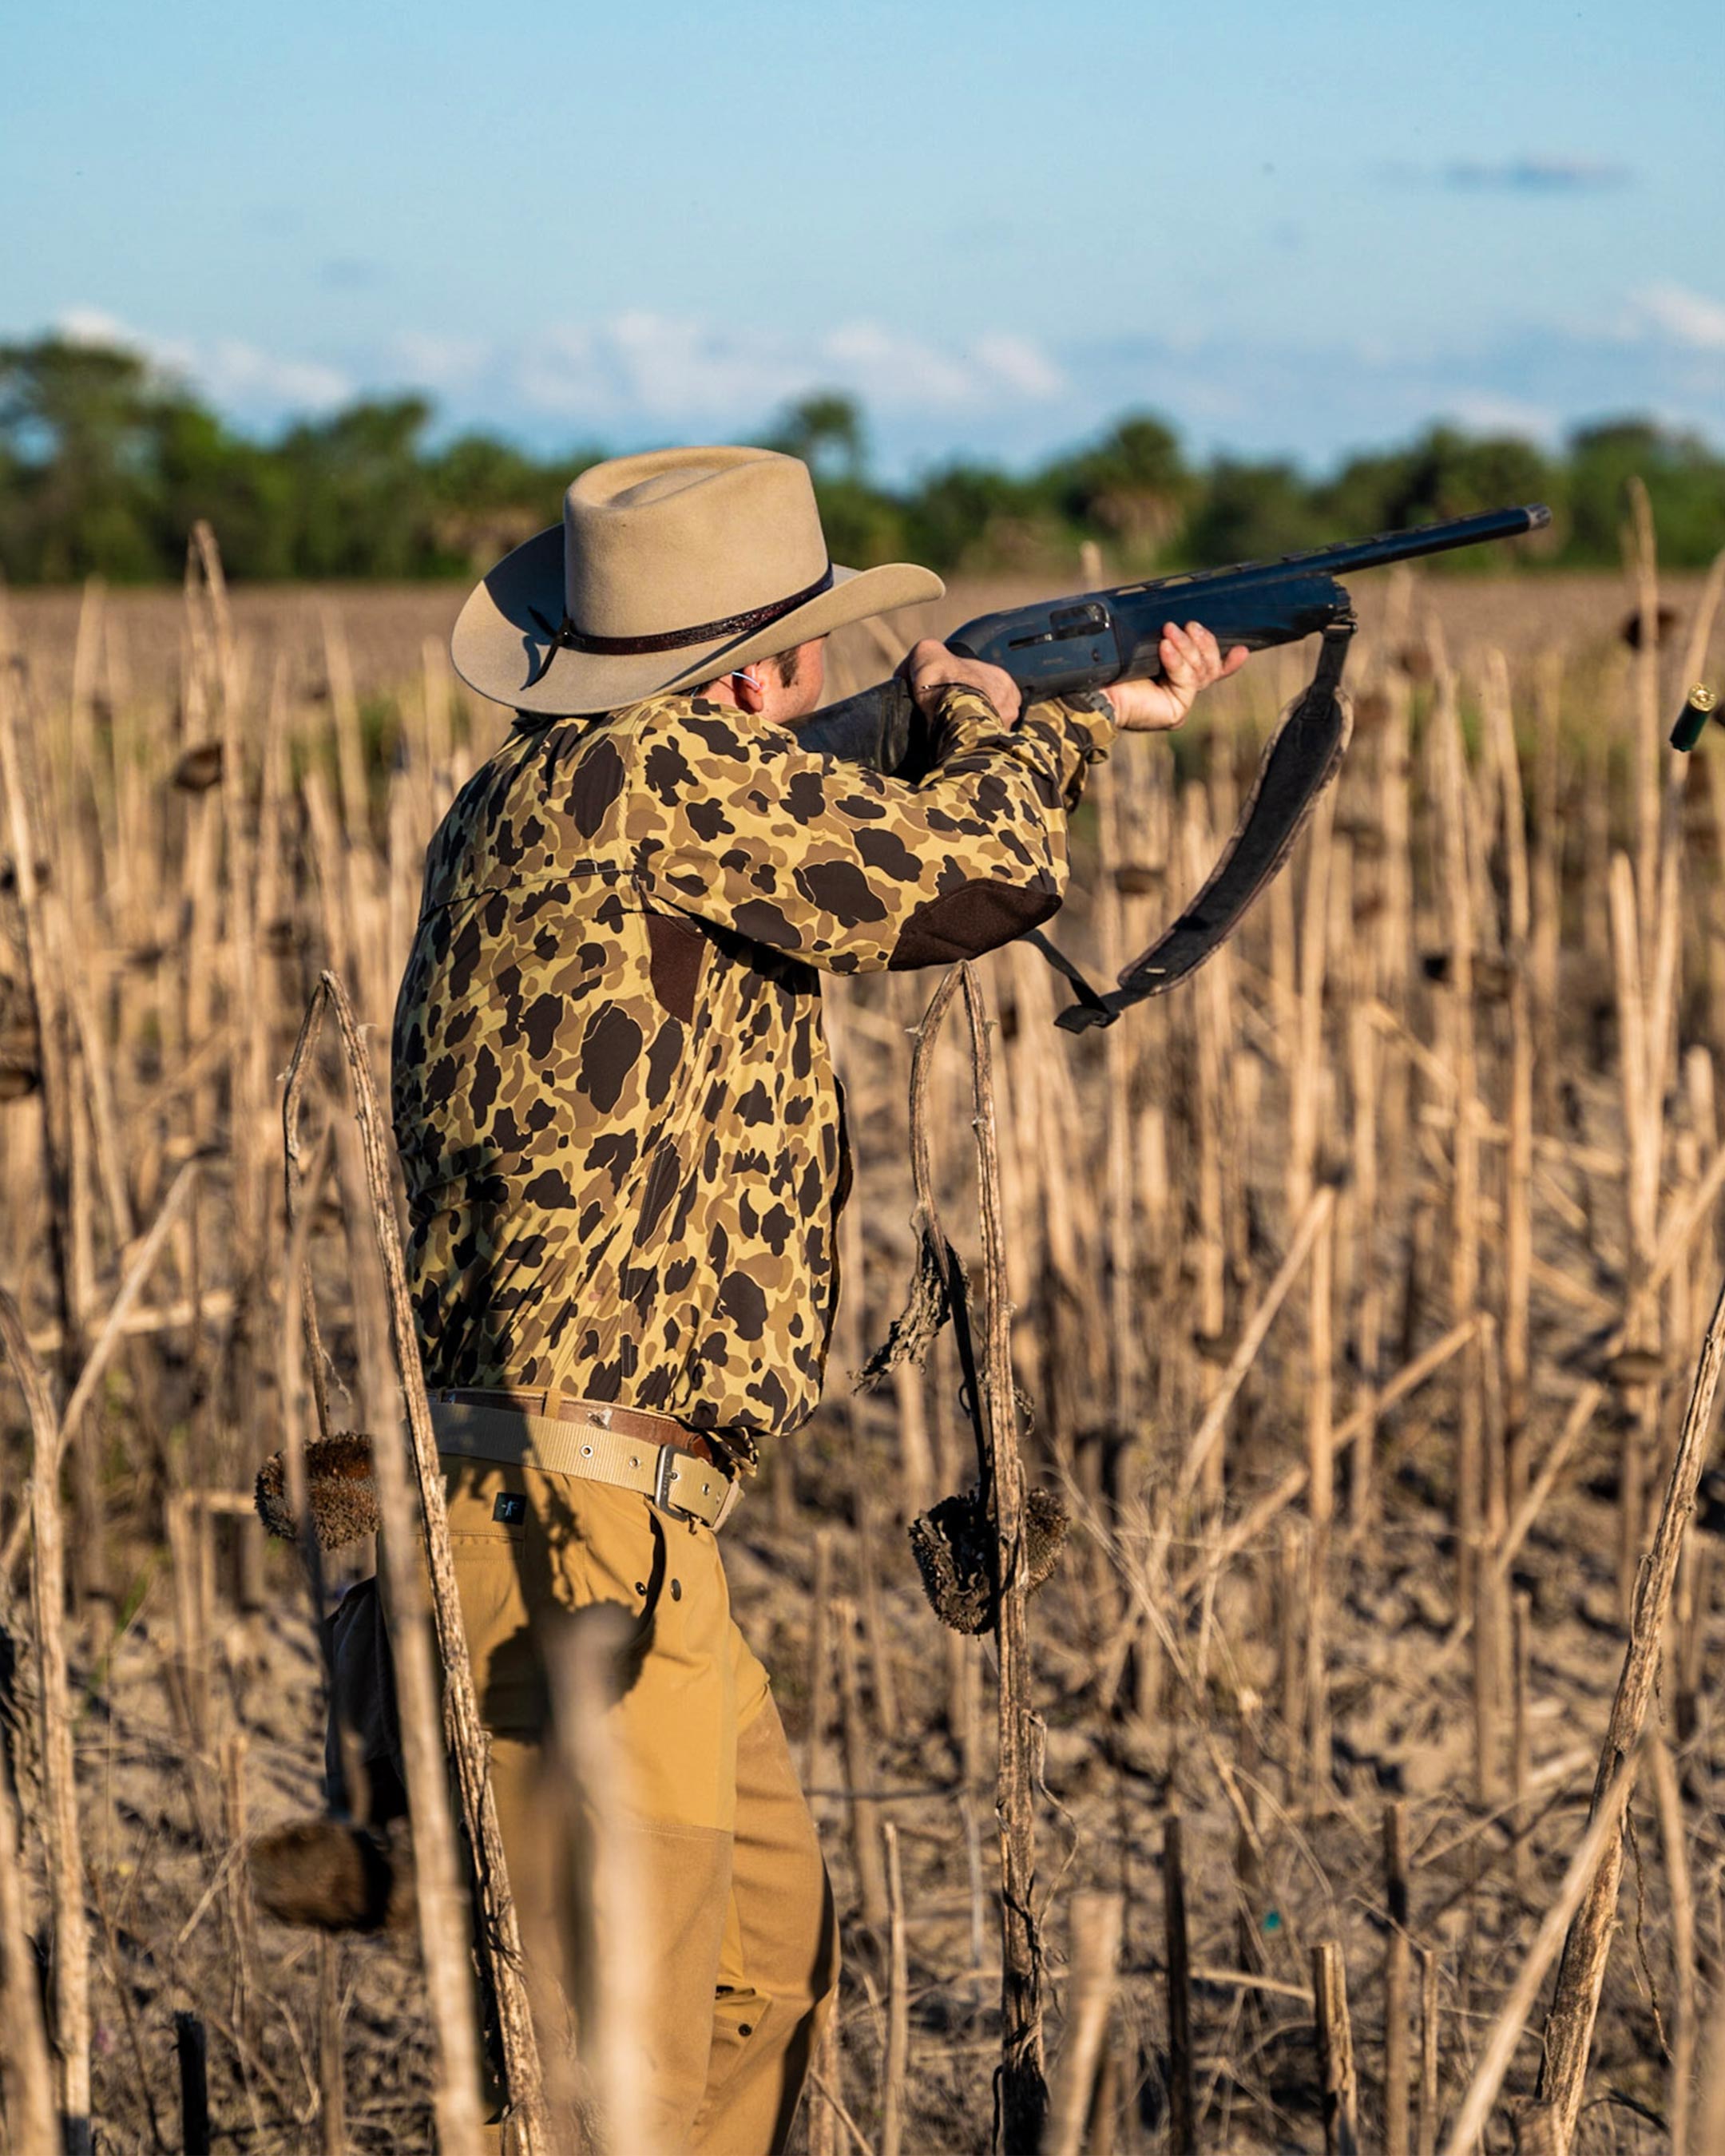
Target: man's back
617,1118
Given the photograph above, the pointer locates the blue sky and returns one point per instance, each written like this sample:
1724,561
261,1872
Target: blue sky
1292,230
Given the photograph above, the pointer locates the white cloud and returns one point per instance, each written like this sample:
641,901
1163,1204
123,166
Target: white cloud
884,367
636,370
661,363
651,367
431,362
1487,412
638,365
1020,365
92,326
237,376
1687,318
240,374
643,376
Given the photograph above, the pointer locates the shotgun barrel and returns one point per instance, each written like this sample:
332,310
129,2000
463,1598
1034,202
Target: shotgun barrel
1064,647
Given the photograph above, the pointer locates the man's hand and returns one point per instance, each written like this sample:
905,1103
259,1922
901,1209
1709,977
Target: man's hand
1190,661
930,668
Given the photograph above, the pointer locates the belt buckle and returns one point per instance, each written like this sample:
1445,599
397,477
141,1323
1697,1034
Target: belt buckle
663,1472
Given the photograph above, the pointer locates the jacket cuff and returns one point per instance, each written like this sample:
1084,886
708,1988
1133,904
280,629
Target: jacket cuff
1088,713
961,715
1079,730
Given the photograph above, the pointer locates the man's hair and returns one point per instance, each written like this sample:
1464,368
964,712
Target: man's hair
786,665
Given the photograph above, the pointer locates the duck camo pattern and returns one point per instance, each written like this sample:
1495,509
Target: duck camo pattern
622,1139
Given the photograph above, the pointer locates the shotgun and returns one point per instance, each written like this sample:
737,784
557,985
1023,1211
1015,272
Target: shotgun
1075,647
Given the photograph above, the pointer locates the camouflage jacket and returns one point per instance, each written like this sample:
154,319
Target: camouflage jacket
622,1136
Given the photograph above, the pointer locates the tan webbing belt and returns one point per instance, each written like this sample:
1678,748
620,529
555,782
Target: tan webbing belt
675,1481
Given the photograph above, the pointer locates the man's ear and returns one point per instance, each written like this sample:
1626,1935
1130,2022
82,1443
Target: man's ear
751,691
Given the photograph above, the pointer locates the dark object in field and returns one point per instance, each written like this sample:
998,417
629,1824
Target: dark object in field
953,1543
1710,1502
338,1486
192,2053
1634,1366
1665,620
9,876
333,1876
199,768
1493,977
353,1870
1074,647
1365,837
18,1078
1371,710
1701,706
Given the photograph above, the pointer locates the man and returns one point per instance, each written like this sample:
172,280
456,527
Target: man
624,1155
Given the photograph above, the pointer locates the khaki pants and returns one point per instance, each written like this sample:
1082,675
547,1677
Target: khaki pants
726,1947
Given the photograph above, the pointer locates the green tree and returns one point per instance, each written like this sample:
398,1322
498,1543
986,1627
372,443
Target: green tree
1133,487
487,496
105,463
1251,512
863,523
239,488
75,423
1445,474
361,496
826,431
973,517
1685,481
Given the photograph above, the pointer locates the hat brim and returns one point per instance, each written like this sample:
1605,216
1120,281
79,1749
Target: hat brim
500,637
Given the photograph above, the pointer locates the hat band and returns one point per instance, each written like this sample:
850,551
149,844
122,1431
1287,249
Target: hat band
567,637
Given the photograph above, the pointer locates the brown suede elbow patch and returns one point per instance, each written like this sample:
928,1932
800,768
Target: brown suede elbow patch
677,949
963,924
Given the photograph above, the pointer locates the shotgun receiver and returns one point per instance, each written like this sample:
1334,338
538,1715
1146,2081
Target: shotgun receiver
1069,647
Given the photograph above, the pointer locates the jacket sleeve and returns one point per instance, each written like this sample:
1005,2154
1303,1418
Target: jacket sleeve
733,823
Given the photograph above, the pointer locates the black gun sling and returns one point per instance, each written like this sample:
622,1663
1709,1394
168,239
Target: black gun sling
1299,760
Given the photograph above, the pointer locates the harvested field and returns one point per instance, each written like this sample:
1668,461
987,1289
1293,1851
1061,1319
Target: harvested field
386,626
1357,1290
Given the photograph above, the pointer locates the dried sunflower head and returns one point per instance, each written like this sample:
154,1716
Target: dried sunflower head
333,1876
954,1546
339,1485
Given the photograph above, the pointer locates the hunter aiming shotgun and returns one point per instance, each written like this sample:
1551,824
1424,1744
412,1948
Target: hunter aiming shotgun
1070,647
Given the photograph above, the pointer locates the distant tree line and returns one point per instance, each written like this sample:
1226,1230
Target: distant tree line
105,463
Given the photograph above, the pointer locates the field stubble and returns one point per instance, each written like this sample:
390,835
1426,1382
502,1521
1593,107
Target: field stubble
1356,1287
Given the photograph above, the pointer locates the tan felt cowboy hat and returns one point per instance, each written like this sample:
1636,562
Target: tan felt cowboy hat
668,570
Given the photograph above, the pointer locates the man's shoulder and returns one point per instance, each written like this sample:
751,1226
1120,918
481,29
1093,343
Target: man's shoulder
683,735
538,805
679,711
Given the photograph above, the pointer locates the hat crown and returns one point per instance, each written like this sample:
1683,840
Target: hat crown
676,539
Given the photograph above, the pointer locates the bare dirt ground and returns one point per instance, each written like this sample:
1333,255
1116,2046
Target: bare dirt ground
1198,1732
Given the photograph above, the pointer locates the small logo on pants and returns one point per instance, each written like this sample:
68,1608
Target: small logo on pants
511,1508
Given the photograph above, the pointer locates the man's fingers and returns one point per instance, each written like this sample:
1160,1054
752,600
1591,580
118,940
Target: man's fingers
1181,657
931,667
1192,658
